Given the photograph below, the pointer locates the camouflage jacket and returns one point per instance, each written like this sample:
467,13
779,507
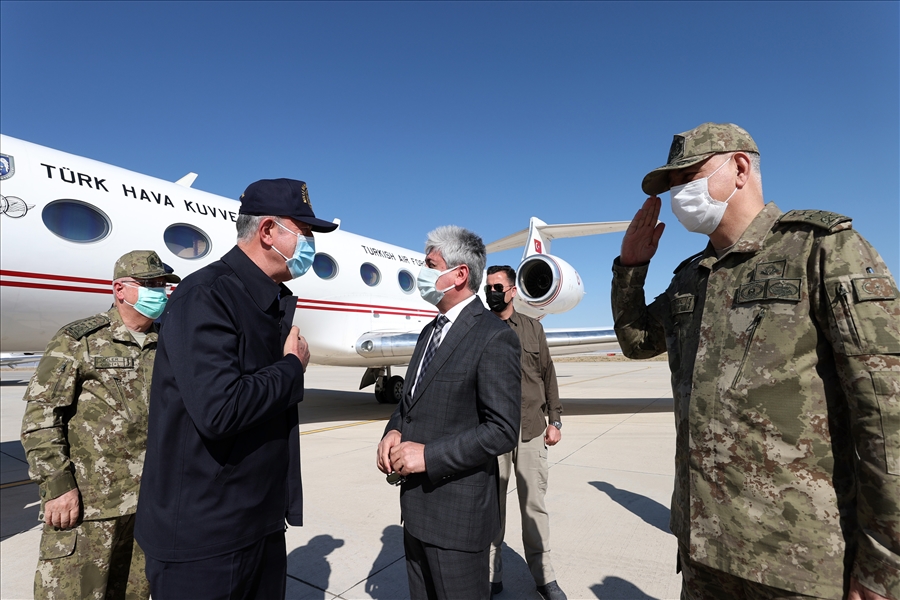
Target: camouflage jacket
786,387
85,425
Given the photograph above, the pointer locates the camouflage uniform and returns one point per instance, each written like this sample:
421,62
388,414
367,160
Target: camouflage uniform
85,427
787,402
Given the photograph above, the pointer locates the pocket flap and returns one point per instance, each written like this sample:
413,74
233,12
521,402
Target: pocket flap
57,543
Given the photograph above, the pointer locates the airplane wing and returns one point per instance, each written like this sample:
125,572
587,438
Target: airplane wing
580,341
12,359
552,232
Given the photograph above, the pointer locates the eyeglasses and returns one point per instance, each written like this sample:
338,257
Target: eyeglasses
305,231
497,287
149,283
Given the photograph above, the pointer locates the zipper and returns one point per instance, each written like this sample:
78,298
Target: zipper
123,399
843,294
60,372
751,329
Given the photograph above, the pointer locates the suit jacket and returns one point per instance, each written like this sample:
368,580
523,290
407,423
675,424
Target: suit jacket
466,410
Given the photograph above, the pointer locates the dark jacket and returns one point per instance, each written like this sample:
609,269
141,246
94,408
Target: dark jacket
466,411
223,450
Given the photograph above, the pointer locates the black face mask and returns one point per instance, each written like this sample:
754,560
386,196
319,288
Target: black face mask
497,301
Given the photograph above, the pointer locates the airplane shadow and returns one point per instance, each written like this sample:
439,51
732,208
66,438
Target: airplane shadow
616,588
323,406
649,510
308,564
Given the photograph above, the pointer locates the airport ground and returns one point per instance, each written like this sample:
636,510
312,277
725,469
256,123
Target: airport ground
610,485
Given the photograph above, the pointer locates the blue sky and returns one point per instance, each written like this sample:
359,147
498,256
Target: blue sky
405,116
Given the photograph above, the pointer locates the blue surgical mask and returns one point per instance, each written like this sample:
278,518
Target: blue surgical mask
304,253
151,301
427,280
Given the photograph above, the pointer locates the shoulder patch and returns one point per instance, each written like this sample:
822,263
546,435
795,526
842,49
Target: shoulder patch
79,329
688,261
818,218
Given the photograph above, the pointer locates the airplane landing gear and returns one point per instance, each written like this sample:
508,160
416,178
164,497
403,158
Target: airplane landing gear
388,389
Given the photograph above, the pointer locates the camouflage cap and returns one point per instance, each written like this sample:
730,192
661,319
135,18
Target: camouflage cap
143,264
694,146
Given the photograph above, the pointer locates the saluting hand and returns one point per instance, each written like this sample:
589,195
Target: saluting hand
63,511
642,236
296,344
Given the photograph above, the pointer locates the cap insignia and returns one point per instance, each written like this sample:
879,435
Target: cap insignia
677,149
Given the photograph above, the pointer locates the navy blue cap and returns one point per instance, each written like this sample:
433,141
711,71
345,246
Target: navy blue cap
282,198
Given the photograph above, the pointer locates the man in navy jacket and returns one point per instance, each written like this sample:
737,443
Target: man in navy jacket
222,472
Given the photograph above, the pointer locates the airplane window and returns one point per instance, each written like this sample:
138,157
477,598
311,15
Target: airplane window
370,274
75,221
407,281
324,266
186,241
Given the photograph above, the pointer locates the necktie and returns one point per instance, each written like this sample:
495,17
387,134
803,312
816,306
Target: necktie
433,344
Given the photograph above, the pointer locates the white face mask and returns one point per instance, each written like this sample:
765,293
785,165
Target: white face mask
427,281
695,208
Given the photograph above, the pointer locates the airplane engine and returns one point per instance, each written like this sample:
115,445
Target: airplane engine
547,285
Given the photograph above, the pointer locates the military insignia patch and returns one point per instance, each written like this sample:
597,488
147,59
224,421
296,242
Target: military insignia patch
819,218
873,288
81,328
783,289
113,362
683,304
7,166
769,270
769,289
677,149
751,291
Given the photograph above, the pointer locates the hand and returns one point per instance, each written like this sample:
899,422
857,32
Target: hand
642,236
63,511
408,458
552,435
296,344
860,592
383,459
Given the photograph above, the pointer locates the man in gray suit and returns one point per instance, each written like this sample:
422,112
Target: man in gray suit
460,410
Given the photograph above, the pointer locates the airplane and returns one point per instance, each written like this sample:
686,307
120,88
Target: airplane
357,306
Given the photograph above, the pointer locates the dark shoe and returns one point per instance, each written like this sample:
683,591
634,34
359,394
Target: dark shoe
551,591
496,588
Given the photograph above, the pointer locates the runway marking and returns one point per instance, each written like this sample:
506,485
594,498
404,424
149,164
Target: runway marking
15,484
602,377
340,426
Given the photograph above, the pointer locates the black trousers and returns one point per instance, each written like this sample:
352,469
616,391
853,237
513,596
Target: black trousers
441,574
255,572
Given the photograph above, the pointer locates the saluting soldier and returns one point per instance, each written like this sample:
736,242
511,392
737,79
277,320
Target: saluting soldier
85,435
783,338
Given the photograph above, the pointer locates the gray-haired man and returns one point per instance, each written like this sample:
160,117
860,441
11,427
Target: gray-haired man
460,410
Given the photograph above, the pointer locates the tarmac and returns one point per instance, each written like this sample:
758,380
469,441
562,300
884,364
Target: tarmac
610,486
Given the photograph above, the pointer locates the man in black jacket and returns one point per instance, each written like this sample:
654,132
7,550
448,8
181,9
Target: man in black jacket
222,472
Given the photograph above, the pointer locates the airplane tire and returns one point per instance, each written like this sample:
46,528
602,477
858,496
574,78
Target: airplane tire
394,389
382,396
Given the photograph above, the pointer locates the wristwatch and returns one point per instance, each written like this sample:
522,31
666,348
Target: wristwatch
556,424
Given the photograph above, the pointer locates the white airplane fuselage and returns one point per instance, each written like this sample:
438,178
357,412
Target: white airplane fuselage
47,281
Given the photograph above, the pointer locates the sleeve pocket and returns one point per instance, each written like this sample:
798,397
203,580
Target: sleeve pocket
887,391
57,544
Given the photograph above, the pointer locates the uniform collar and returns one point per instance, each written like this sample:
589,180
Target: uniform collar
514,318
259,286
754,237
120,331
